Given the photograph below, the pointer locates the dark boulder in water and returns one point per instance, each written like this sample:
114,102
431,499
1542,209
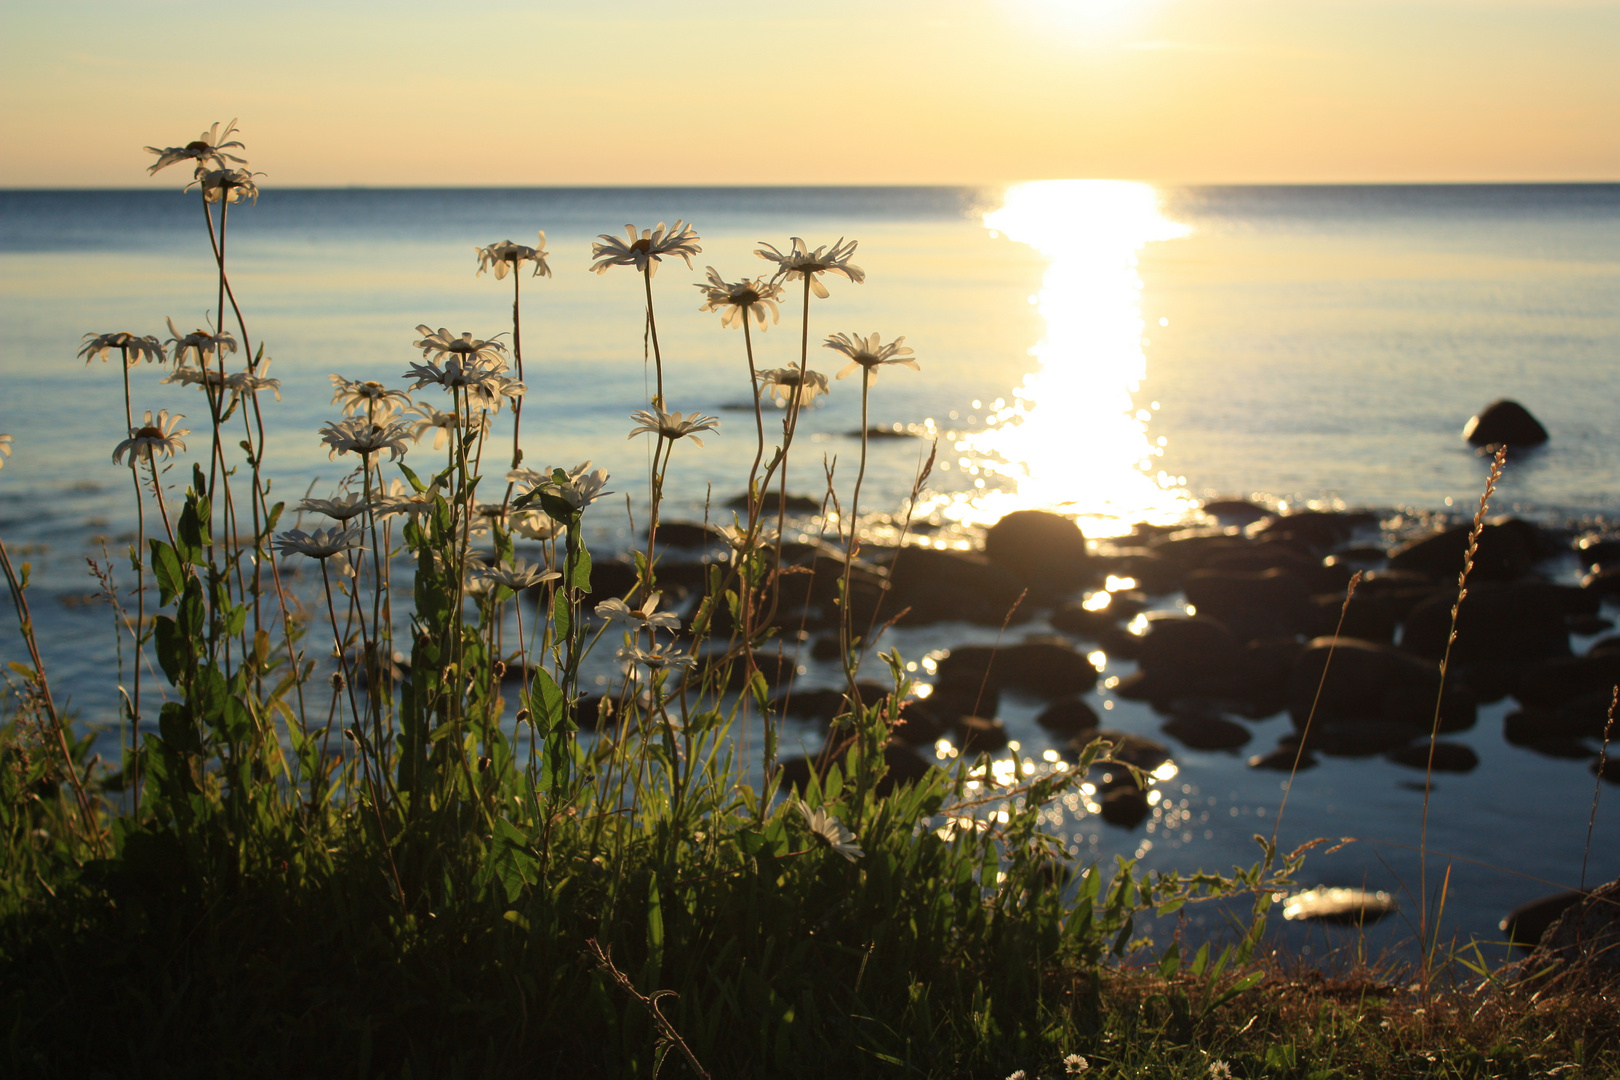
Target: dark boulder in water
1286,758
1508,549
1525,924
1125,807
980,735
1447,757
1046,669
1045,551
1603,582
1553,682
1504,423
1235,511
1252,603
1068,716
1586,938
942,586
1514,623
1366,682
1199,731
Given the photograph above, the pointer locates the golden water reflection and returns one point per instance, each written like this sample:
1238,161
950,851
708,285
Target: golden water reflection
1074,439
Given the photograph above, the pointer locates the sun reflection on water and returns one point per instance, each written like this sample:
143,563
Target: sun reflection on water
1073,439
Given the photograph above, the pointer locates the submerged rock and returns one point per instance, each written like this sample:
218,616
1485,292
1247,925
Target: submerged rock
1046,669
1350,906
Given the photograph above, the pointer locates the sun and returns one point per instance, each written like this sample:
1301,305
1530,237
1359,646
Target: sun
1086,17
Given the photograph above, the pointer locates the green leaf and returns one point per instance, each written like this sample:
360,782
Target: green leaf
547,707
512,860
171,648
1170,962
415,482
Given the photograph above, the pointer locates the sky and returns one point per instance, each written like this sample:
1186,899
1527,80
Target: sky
655,92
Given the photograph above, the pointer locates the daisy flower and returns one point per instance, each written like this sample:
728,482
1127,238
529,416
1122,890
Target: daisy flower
343,509
828,829
200,343
507,256
736,537
642,618
1075,1064
251,382
800,262
518,576
583,486
320,544
366,438
736,300
1220,1070
134,348
205,149
786,384
404,500
160,436
488,394
645,250
657,657
186,375
534,525
368,396
456,374
439,343
226,185
870,352
442,424
672,425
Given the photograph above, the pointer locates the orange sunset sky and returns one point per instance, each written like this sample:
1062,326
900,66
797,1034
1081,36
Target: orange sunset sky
408,92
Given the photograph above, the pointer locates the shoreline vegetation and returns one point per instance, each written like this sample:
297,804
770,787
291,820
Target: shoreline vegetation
361,827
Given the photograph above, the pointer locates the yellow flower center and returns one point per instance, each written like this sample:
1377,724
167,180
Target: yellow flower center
149,432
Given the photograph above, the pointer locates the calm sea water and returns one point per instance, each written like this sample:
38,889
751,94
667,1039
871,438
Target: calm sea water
1108,349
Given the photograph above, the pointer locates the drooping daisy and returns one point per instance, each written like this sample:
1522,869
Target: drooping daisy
736,300
368,396
519,575
443,425
870,352
404,500
440,343
672,425
186,375
457,374
533,525
205,149
800,262
226,185
827,829
489,393
361,436
657,657
251,382
646,249
146,348
320,544
200,344
784,385
507,256
160,436
352,505
646,617
583,486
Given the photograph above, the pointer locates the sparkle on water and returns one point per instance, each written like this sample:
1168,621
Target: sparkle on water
1075,438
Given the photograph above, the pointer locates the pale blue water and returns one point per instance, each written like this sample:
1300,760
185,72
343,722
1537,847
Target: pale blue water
1317,343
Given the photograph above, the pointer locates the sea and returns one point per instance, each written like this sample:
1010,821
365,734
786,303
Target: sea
1115,351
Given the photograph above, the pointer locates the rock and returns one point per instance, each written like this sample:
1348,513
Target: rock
686,534
1252,604
1314,530
1087,625
1269,555
1517,622
1191,549
1125,807
1235,511
961,695
1357,739
1608,646
1552,682
1068,717
1283,759
903,767
824,704
1598,550
796,504
919,725
941,586
1606,768
1364,682
1367,617
1044,551
1542,731
1508,549
1504,423
1355,907
1146,754
1047,669
1585,939
978,735
1200,732
1192,655
1448,757
1526,924
1604,582
1588,625
1153,574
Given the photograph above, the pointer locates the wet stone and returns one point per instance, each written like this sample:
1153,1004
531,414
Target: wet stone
1448,757
1345,906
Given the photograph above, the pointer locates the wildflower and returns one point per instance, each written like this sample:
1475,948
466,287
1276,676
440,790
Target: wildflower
205,149
533,525
828,829
320,544
160,436
134,348
507,256
519,576
364,437
226,185
1075,1064
646,250
1220,1070
736,300
455,375
672,425
436,343
642,618
800,262
442,424
5,449
581,488
400,499
870,353
186,375
251,382
784,385
200,343
657,657
369,397
1017,1075
338,509
488,393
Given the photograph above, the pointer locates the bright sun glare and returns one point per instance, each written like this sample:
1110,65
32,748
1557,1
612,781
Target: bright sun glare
1074,438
